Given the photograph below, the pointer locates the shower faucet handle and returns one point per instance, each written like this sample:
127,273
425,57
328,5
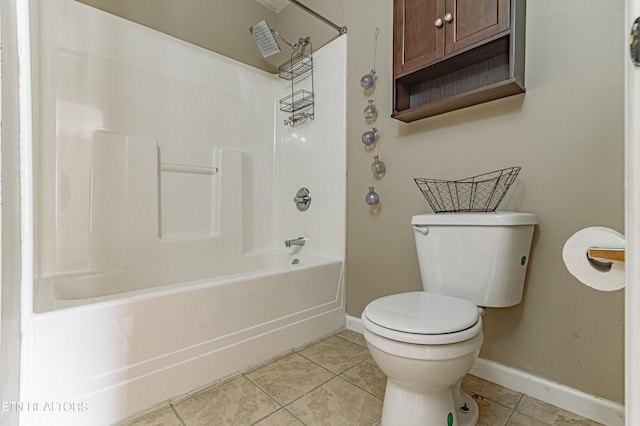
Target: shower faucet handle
302,199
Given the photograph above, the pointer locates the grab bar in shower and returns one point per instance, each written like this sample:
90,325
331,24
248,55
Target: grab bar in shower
185,168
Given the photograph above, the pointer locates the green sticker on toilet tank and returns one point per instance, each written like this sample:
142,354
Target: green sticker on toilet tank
450,419
523,260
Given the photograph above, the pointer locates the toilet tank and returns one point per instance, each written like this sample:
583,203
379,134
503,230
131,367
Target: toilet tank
481,257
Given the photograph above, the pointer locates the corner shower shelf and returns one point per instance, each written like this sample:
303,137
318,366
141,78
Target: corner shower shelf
300,103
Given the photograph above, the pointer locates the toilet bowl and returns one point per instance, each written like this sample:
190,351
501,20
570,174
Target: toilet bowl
427,341
418,335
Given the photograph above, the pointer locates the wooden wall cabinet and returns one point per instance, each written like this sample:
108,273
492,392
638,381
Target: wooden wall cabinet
450,54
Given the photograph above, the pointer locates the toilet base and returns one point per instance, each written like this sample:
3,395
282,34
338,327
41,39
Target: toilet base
402,407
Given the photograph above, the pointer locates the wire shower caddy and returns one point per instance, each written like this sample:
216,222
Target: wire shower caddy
300,103
482,193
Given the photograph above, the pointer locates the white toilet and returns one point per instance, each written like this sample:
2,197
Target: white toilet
427,341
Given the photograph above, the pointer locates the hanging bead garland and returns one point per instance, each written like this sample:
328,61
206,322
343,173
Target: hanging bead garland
367,81
370,113
370,137
372,198
378,168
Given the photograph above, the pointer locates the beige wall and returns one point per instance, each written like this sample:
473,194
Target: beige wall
566,132
221,26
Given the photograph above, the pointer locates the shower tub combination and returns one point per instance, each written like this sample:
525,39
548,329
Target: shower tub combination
164,180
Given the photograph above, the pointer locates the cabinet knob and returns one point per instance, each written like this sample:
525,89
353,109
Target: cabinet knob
438,22
448,17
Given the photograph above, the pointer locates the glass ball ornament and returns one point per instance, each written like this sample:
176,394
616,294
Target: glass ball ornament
378,168
372,198
370,112
367,81
369,137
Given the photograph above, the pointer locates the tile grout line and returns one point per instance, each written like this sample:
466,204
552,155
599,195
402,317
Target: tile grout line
323,383
265,392
333,374
348,340
341,374
264,417
285,406
310,360
280,406
175,413
336,374
355,384
513,410
265,363
294,416
307,393
516,409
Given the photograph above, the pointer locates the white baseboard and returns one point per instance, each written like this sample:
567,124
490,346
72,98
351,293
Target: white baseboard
586,405
354,324
590,406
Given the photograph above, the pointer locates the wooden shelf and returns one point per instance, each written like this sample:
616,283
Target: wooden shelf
472,97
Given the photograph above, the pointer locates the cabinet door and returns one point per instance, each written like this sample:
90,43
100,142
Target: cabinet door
417,40
474,20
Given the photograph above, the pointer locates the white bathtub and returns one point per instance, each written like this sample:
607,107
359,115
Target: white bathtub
124,353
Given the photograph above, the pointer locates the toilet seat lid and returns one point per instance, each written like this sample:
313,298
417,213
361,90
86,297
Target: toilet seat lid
422,313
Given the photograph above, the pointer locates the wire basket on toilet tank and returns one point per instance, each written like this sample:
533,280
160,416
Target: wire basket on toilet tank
481,193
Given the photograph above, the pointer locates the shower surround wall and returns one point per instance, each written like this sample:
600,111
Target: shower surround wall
164,184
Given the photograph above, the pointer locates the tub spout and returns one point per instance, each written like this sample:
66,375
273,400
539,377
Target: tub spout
297,242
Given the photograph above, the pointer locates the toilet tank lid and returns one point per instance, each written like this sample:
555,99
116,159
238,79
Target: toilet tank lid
479,219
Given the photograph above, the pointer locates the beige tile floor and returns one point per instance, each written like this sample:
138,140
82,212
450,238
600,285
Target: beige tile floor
332,382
